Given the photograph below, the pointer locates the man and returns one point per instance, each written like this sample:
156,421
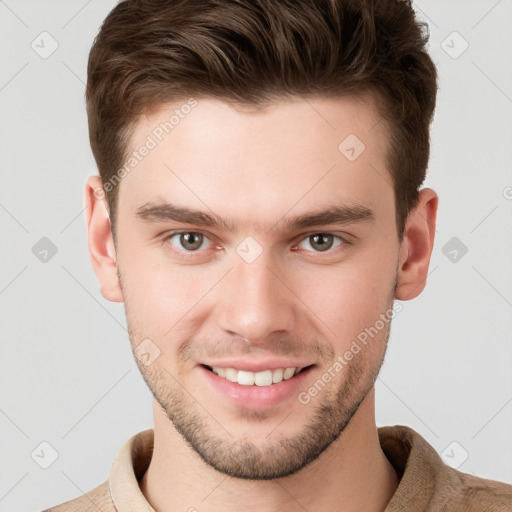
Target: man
258,210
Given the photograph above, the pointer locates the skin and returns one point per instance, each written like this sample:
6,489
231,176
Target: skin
258,168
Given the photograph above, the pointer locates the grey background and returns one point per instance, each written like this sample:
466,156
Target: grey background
68,376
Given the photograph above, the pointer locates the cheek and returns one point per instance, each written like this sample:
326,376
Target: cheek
348,299
168,301
163,297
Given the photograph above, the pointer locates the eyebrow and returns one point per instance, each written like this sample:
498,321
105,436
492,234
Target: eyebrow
154,212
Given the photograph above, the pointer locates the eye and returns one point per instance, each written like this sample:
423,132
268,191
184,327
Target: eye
322,242
191,241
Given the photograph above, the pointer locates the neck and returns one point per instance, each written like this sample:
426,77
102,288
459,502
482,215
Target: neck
353,471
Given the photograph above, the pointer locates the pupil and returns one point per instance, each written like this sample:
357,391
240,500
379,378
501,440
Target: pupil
188,236
323,246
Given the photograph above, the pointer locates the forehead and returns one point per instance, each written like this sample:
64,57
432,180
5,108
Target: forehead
257,164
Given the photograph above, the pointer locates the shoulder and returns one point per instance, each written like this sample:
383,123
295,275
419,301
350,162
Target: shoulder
97,499
427,483
469,493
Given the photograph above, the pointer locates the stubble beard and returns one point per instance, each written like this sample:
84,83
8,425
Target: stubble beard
280,456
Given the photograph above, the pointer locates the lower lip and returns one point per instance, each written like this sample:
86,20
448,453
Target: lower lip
256,396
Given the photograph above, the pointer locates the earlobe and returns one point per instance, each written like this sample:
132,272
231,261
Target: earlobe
100,241
416,247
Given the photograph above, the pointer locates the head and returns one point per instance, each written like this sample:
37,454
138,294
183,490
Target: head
259,204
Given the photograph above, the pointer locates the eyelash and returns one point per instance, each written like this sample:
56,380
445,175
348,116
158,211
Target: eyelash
191,254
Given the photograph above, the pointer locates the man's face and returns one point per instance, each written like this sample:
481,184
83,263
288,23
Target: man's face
259,293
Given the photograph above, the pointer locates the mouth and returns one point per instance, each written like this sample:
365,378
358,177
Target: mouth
263,378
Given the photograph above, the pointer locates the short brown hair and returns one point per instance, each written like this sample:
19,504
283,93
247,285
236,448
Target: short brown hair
149,52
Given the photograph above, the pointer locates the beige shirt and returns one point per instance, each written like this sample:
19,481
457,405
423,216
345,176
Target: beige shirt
426,482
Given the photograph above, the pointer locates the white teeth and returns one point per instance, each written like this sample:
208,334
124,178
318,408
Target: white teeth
289,372
277,375
231,374
263,378
245,378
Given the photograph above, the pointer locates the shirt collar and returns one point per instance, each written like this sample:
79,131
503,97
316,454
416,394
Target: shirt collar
128,468
415,461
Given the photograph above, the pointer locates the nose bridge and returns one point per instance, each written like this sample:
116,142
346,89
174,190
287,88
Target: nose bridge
255,301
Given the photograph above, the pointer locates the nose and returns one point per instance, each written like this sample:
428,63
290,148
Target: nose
256,300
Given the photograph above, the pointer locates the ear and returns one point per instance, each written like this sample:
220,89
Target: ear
416,246
100,240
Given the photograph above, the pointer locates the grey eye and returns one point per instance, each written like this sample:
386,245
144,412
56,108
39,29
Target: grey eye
322,242
189,240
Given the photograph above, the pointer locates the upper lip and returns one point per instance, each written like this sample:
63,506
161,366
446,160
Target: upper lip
258,366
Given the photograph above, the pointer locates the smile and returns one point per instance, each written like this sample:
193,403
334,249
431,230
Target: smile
261,378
